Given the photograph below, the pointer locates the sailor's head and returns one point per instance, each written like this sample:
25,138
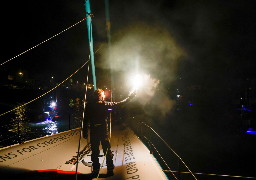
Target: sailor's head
99,95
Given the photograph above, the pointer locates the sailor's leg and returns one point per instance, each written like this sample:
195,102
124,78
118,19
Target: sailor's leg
95,153
109,156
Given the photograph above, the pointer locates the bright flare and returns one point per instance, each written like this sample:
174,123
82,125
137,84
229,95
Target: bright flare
137,81
53,104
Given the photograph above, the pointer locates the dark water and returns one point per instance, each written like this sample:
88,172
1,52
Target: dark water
35,114
207,140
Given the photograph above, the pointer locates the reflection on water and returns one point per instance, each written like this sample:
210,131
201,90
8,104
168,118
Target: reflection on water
49,126
39,129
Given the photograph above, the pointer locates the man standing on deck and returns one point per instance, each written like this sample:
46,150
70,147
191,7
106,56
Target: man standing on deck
96,114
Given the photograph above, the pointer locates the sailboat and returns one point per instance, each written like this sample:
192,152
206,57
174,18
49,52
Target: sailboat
66,155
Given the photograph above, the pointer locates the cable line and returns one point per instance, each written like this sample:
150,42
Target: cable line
82,123
44,41
55,86
47,91
206,174
170,148
161,158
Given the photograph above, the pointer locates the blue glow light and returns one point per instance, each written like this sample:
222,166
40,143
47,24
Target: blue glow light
244,109
250,131
191,104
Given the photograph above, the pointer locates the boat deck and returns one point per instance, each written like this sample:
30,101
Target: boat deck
54,156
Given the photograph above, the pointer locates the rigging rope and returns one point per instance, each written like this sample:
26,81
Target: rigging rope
206,174
52,88
81,130
46,92
44,41
78,151
170,149
103,162
161,158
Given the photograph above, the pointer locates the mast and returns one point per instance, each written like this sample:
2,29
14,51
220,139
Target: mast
109,48
90,38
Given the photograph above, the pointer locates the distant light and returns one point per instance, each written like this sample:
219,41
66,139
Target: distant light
110,109
244,109
190,104
250,131
52,77
178,96
53,104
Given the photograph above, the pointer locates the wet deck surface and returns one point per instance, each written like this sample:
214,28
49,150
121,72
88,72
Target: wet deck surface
47,158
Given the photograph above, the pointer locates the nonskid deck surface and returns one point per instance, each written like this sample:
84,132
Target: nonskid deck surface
55,157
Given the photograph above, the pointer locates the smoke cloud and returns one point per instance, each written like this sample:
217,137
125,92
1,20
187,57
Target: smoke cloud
144,48
151,52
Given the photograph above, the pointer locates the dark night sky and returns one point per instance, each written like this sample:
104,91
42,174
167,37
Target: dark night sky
203,42
208,43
